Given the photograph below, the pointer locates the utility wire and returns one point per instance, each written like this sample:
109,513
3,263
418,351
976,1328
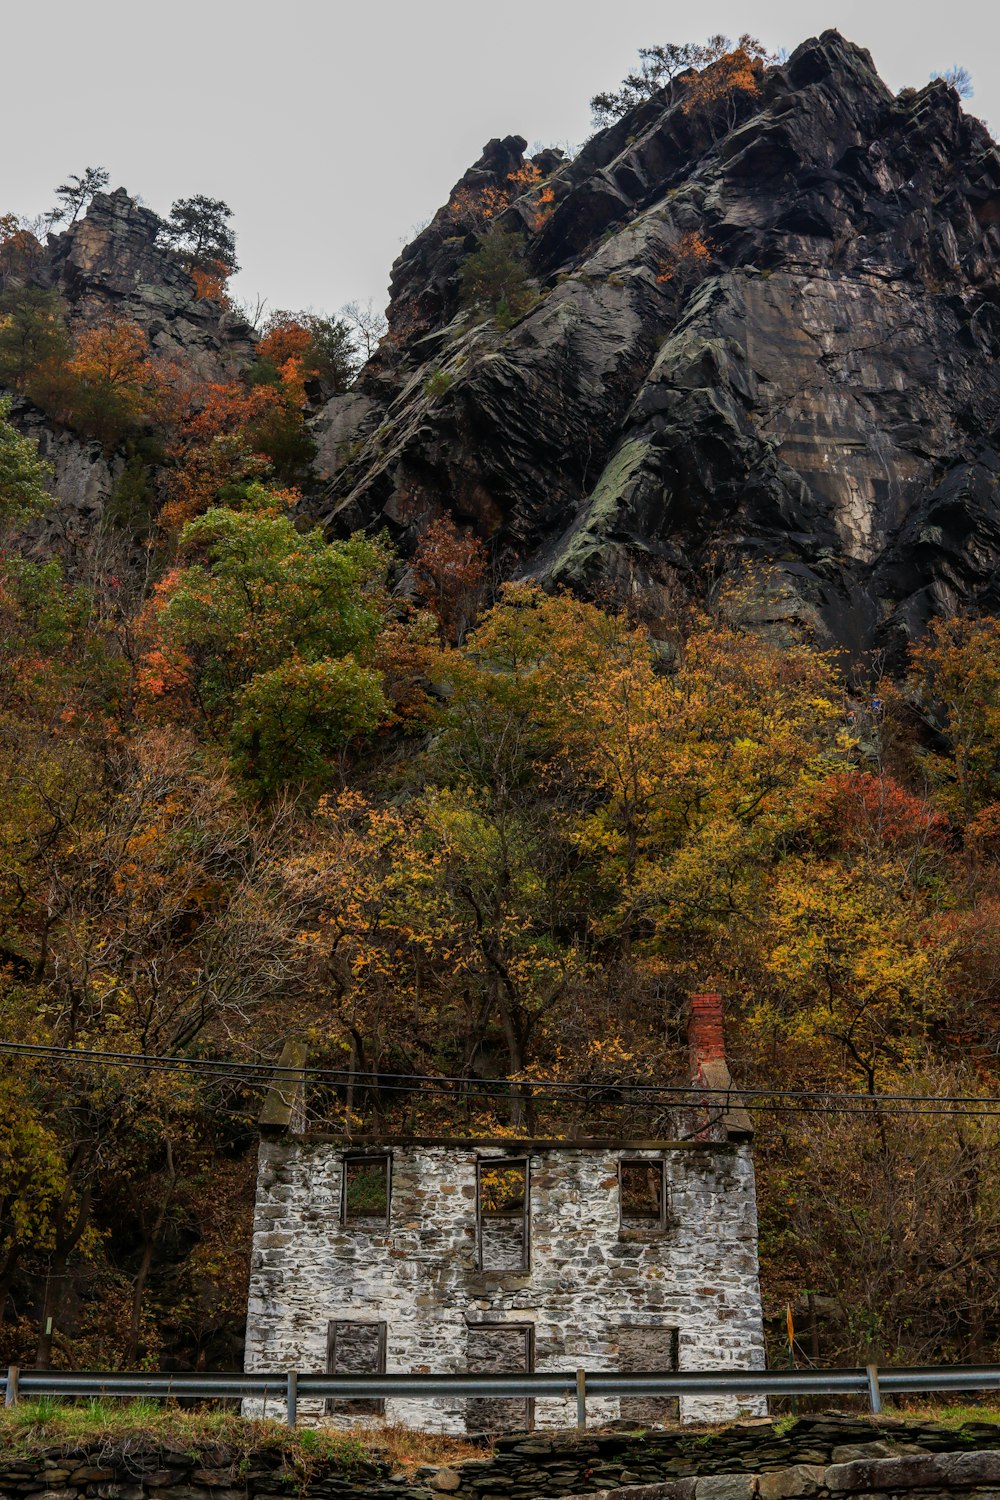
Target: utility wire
770,1100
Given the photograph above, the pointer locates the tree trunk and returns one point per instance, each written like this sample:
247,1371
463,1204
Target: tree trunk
146,1263
55,1282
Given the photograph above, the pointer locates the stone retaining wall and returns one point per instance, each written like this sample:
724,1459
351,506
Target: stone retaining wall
823,1458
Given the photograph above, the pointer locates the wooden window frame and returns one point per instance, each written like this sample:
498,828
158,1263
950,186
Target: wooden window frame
344,1405
350,1158
489,1163
666,1406
650,1226
529,1349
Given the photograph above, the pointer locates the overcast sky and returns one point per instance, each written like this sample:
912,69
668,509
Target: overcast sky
334,128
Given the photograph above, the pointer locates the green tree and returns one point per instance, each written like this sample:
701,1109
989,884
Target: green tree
32,335
22,472
76,193
267,636
198,227
659,66
495,278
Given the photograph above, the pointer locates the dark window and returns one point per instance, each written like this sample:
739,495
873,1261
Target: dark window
502,1214
643,1193
500,1349
365,1196
356,1349
648,1351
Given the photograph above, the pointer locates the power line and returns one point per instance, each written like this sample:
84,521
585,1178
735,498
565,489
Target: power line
771,1099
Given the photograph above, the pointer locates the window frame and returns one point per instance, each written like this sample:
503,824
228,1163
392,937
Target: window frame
495,1326
361,1406
490,1163
368,1220
651,1225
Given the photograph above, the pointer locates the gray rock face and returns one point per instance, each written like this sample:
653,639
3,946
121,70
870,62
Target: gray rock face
826,401
113,262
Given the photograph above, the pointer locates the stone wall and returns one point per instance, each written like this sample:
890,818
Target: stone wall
589,1286
825,1458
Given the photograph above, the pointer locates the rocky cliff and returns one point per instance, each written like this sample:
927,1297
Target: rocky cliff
113,263
823,398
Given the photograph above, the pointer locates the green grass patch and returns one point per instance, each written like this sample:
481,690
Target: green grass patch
142,1426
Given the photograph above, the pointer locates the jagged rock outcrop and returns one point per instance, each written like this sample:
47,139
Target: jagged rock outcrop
113,262
826,400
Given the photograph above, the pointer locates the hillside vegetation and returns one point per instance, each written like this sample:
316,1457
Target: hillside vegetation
264,779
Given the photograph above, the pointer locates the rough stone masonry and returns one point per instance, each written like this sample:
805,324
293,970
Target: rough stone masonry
419,1256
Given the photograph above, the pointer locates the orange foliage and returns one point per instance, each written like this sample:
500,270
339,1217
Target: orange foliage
736,72
862,809
117,384
213,446
545,206
286,338
483,206
688,259
449,570
114,353
210,283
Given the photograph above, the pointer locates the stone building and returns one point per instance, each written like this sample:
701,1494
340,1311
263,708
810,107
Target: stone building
476,1255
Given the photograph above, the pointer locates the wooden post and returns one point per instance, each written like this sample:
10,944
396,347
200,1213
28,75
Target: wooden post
13,1377
581,1400
292,1397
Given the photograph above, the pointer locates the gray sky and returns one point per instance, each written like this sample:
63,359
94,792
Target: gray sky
333,128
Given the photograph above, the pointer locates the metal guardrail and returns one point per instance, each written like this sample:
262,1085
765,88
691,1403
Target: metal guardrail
288,1387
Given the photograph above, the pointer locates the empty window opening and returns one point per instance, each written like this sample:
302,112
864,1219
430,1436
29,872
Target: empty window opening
502,1214
500,1349
354,1348
648,1351
366,1190
642,1193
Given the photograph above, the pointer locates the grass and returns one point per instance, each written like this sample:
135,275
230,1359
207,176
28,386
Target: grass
141,1426
948,1416
138,1427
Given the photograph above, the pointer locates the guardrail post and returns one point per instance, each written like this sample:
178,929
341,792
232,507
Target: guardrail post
292,1397
874,1393
581,1400
10,1394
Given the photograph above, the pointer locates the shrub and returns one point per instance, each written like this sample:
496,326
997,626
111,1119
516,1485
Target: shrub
435,385
495,278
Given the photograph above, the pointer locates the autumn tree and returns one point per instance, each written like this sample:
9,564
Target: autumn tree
264,634
323,349
449,573
733,75
117,384
889,1218
956,675
658,66
709,71
686,263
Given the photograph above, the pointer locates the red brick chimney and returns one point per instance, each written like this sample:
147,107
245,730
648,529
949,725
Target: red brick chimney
709,1069
706,1032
